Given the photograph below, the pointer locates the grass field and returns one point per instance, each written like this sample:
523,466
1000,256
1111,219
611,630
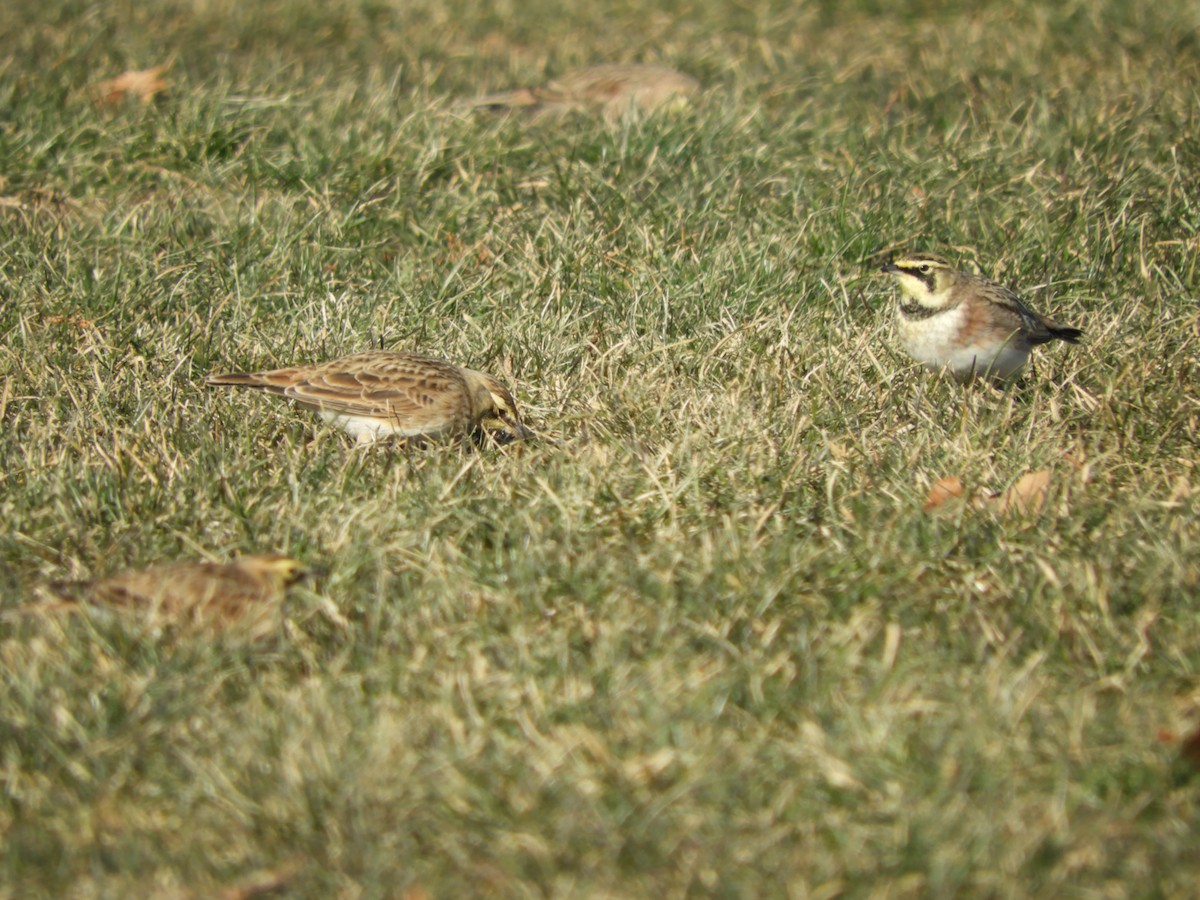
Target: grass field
702,638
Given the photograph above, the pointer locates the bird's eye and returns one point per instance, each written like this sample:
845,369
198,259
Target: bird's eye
923,268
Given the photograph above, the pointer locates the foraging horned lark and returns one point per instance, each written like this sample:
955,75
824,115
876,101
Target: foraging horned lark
378,393
612,90
949,319
246,594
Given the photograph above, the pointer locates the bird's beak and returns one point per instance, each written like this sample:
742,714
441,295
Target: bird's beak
889,268
519,431
505,429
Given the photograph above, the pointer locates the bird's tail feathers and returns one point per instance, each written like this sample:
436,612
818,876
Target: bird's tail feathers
274,382
522,98
1064,332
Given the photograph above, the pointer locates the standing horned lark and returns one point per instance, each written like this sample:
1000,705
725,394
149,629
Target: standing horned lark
612,89
377,393
246,594
952,320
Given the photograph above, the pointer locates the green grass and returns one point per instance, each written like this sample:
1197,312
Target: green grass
701,639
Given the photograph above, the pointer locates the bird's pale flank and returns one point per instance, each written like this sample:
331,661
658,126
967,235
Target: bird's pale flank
612,89
379,393
953,320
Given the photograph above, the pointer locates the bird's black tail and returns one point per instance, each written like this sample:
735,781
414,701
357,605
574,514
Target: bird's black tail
1064,333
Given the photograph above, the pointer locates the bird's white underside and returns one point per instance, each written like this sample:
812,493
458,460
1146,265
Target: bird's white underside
935,343
367,428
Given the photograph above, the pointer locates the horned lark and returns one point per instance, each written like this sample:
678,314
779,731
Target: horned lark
949,319
378,393
612,90
246,594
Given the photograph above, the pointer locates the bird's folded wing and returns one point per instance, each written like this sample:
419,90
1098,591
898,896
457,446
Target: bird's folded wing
354,393
1031,322
595,88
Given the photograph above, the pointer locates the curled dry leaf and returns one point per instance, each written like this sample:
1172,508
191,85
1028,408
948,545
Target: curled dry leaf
1027,495
74,321
1189,750
265,882
943,490
144,84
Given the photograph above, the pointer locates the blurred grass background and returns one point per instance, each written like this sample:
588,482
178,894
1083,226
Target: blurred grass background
703,639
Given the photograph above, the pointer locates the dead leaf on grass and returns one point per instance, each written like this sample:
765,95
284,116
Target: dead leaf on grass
144,84
1027,495
264,882
1189,750
943,491
74,321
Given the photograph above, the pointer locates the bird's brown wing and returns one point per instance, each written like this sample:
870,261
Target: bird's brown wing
1032,327
616,86
207,596
393,386
592,85
171,588
595,85
607,86
197,596
378,383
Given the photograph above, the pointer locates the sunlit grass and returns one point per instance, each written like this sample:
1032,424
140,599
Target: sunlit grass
702,637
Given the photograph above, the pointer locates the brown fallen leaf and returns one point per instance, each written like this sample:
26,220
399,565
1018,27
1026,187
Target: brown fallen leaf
264,882
74,320
1189,750
943,490
1027,495
144,84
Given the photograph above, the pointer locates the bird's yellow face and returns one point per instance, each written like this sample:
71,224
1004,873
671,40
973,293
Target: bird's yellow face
499,411
925,279
280,571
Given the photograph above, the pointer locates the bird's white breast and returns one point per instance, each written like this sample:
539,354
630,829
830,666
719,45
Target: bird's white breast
938,342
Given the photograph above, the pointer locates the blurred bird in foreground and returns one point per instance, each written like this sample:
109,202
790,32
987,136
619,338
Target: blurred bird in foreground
245,595
612,89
